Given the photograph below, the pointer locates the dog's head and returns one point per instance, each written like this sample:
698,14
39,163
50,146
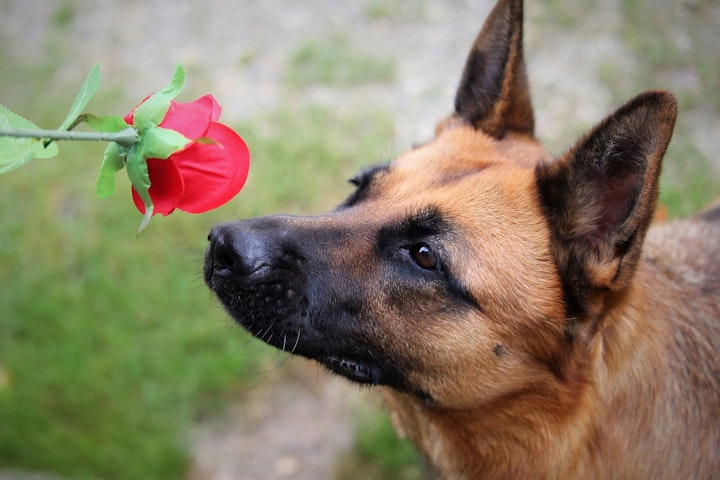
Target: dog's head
471,264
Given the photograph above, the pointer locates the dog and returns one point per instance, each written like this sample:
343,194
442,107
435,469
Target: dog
517,311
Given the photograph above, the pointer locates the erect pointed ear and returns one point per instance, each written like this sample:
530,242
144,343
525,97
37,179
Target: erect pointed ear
493,94
600,197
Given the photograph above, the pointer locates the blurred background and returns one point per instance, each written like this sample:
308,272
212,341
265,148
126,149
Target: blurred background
115,361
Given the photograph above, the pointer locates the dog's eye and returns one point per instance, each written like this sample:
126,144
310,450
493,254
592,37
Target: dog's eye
424,256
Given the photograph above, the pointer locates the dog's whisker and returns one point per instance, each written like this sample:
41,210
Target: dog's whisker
297,340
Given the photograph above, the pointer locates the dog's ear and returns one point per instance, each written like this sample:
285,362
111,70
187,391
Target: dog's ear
600,196
493,94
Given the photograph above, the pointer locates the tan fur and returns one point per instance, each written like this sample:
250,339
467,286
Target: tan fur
637,395
513,417
483,397
637,406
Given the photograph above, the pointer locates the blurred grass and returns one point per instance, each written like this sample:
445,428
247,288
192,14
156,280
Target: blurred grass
303,157
335,63
675,43
398,11
110,345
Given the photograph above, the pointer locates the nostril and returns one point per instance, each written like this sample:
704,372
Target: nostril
255,248
223,260
221,253
235,248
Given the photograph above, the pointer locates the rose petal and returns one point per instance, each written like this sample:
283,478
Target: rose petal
192,119
216,110
213,173
189,118
166,187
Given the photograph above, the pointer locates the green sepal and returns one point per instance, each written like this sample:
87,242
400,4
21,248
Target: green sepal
146,218
152,111
113,162
17,151
158,142
87,90
106,124
139,176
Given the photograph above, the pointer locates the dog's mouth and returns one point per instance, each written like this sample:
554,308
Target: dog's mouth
270,314
356,371
370,373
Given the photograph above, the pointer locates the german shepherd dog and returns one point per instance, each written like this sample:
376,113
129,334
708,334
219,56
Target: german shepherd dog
518,312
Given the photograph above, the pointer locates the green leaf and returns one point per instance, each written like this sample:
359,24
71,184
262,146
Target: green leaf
87,90
113,161
160,142
17,151
41,151
152,111
107,124
140,178
14,153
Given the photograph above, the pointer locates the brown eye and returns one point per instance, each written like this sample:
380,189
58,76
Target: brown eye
424,256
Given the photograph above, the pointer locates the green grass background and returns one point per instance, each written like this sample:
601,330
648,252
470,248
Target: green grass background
110,345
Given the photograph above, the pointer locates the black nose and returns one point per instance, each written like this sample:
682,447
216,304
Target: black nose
237,248
255,246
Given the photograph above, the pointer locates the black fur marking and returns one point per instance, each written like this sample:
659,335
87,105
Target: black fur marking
363,181
426,226
553,193
481,82
493,94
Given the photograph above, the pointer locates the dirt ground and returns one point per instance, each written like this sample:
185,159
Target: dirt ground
295,423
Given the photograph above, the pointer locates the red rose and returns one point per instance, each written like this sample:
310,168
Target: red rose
205,174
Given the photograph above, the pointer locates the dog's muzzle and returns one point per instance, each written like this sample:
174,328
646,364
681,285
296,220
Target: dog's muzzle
258,276
274,277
